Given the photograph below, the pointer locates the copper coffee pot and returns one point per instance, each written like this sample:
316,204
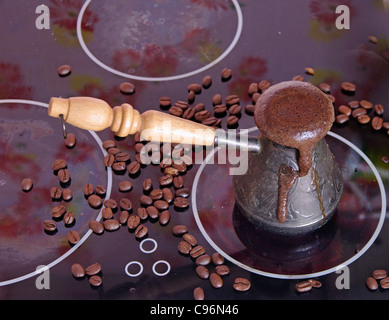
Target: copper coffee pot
316,190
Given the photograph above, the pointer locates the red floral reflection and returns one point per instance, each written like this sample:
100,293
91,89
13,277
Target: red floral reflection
211,4
11,82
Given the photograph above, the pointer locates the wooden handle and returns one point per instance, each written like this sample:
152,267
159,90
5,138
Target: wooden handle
96,115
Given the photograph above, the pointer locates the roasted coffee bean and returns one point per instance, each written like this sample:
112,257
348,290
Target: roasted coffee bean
69,218
73,236
249,109
232,120
152,212
194,87
59,164
111,224
310,71
304,286
107,213
122,157
181,104
146,200
217,259
179,230
133,168
191,239
197,251
198,294
202,272
125,204
95,201
107,144
373,39
125,186
77,270
161,205
113,151
180,166
219,109
93,269
199,107
255,97
88,189
298,77
156,194
95,281
379,109
217,99
127,88
203,260
253,88
101,190
384,283
206,81
211,121
263,85
133,222
232,100
188,114
353,104
385,125
363,119
315,283
49,225
96,226
119,166
241,284
67,194
216,280
166,180
165,102
341,118
109,160
184,247
142,213
366,104
178,182
183,192
70,140
344,110
348,87
376,123
226,74
176,111
26,184
202,115
222,270
55,193
325,87
111,203
164,217
235,109
141,231
168,195
358,112
171,171
64,70
123,217
64,175
58,211
181,202
371,283
379,274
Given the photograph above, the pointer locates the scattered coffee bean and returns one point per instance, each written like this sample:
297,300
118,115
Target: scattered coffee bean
304,286
379,274
96,226
196,251
325,87
235,109
64,176
161,205
125,186
125,204
298,77
371,283
179,230
26,184
373,39
93,269
113,151
379,109
222,270
249,109
133,168
73,237
344,110
146,200
164,217
217,258
107,213
216,280
253,88
310,71
107,144
122,157
363,119
376,123
152,212
111,203
353,104
156,194
203,260
184,247
95,281
348,87
67,194
64,70
133,222
181,104
109,160
206,82
88,189
202,272
315,283
226,74
199,107
166,180
59,164
241,284
119,166
58,211
181,202
183,192
171,171
366,104
77,270
101,190
198,294
358,112
55,193
141,231
168,195
111,224
263,85
176,111
165,102
69,218
188,114
202,115
384,283
70,140
123,217
95,201
195,87
142,213
127,88
341,118
49,225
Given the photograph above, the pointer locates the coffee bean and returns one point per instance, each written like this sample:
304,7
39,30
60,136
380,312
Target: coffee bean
371,283
77,270
379,109
109,160
161,205
202,272
206,82
325,87
67,194
183,192
59,164
156,194
101,190
95,201
197,251
358,112
198,294
199,107
202,115
95,281
58,211
88,189
191,239
133,222
241,284
348,87
107,144
216,280
164,217
203,260
195,87
111,203
179,230
181,104
165,102
217,99
167,195
249,109
152,212
142,213
127,88
26,184
344,110
125,186
303,286
123,217
184,247
232,100
363,119
376,123
366,104
64,176
107,213
331,98
384,283
232,120
69,218
166,180
253,88
111,224
93,269
210,121
379,274
219,109
353,104
125,204
113,151
385,125
226,74
55,193
96,226
235,109
133,168
176,111
217,258
146,200
188,114
141,231
298,77
122,157
64,70
178,182
70,140
119,166
49,225
181,202
310,71
263,85
341,118
373,39
73,236
222,270
315,283
171,171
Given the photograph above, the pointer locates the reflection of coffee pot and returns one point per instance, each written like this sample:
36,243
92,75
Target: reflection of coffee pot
292,184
